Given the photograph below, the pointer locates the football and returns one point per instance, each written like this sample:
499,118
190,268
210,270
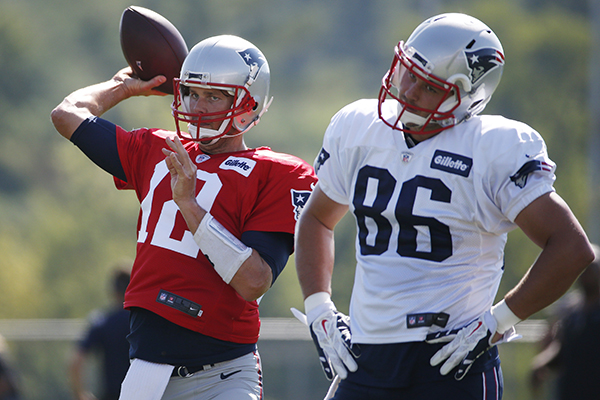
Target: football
152,45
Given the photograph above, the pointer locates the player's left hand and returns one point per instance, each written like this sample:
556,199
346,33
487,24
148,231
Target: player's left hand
468,344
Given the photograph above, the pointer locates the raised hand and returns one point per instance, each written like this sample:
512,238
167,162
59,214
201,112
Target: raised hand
183,172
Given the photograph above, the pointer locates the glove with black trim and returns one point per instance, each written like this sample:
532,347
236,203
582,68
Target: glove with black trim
324,362
470,342
330,331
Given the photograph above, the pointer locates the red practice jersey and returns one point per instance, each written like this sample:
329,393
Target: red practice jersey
250,190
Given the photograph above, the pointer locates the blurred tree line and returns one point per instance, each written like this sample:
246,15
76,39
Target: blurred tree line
63,225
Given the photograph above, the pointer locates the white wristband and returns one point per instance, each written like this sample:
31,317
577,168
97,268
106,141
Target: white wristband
316,304
504,317
225,252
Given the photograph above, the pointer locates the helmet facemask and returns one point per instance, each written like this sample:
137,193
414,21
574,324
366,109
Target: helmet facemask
242,105
453,53
411,118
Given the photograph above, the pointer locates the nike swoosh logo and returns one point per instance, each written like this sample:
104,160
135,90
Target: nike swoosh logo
225,376
476,328
323,325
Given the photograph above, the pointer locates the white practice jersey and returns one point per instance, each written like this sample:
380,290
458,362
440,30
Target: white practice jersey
432,220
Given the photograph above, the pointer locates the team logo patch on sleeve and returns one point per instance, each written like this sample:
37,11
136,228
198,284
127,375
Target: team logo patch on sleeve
520,178
299,199
452,163
242,165
323,156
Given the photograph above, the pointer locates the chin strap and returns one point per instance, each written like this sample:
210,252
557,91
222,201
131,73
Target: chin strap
408,118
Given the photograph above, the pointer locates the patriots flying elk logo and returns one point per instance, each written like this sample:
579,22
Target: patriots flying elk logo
299,199
483,61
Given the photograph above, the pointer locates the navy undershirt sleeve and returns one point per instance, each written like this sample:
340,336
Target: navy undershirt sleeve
97,139
274,247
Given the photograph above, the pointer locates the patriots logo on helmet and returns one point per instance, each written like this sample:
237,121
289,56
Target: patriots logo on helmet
252,57
483,61
299,199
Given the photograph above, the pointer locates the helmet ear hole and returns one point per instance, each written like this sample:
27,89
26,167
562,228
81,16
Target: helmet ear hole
462,80
475,104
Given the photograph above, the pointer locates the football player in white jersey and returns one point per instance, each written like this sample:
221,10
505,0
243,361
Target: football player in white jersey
434,188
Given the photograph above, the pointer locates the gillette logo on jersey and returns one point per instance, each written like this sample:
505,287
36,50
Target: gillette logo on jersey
239,164
452,163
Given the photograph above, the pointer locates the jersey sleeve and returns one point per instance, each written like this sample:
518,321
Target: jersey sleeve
330,165
518,174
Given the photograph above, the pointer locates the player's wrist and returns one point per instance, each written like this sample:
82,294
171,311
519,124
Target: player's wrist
187,204
317,304
504,317
225,252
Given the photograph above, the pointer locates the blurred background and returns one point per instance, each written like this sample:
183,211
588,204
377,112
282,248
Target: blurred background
63,225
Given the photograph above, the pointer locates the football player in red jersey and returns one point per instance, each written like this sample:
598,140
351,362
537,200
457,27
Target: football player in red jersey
216,220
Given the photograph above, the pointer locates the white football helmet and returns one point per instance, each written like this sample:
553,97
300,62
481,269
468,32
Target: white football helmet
233,65
455,54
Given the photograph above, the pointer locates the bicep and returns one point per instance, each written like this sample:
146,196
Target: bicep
323,209
546,216
66,118
566,251
315,250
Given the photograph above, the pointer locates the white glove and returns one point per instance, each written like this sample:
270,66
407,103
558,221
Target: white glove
470,342
330,331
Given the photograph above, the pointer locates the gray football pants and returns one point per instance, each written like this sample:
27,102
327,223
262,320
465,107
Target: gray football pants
237,379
